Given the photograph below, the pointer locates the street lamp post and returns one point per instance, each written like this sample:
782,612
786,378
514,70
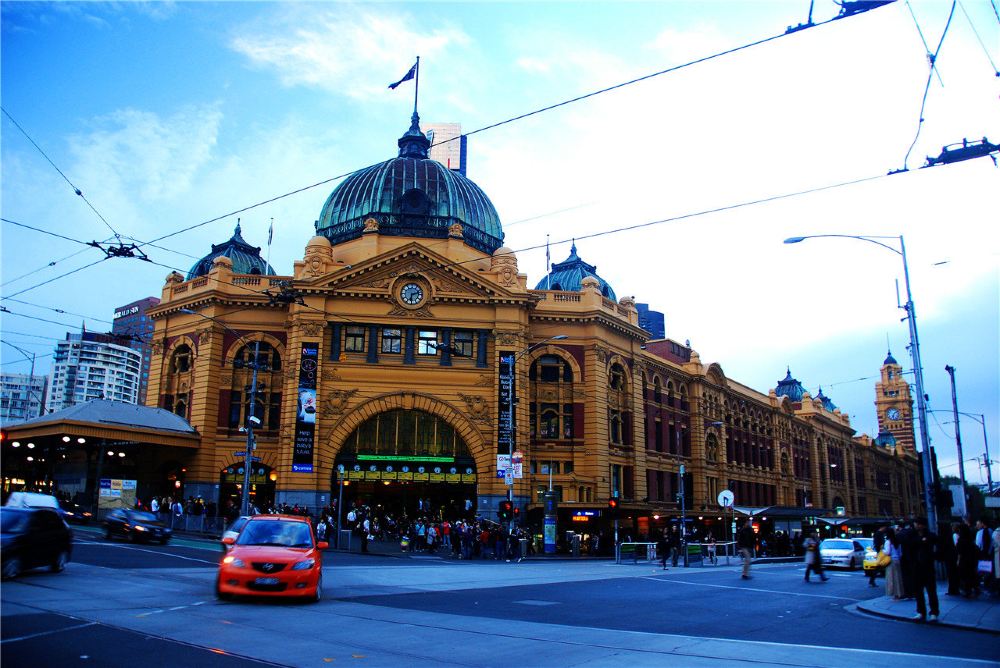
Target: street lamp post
918,371
981,419
31,381
252,419
958,432
510,415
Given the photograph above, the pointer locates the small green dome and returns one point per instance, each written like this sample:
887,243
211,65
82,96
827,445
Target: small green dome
246,258
412,196
568,276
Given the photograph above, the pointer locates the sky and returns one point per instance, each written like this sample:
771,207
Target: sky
167,115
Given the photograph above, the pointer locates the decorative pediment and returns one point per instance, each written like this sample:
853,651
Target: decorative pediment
381,274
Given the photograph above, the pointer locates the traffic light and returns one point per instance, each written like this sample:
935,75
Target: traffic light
517,514
506,510
613,507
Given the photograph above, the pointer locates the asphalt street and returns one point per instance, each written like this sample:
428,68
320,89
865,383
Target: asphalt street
117,602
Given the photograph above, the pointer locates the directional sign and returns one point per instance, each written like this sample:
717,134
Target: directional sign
508,477
243,455
726,498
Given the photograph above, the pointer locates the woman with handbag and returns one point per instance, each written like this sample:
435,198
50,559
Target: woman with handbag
893,572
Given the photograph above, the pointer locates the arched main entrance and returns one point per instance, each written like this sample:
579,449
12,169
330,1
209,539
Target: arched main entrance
407,462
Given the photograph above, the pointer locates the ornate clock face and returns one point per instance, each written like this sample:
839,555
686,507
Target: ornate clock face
411,294
892,413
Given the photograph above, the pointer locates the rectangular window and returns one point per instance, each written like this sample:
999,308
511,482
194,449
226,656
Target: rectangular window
392,340
354,340
567,467
427,342
463,344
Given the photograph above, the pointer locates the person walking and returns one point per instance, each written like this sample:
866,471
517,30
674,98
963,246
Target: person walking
878,541
663,549
746,541
814,561
711,550
924,554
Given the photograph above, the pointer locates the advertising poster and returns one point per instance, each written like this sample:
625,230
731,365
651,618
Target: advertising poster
116,493
305,417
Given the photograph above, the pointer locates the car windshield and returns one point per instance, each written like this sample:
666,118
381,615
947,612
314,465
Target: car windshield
143,517
866,543
13,522
837,545
276,532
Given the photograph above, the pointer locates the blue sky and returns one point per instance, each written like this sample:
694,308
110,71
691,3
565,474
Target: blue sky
169,114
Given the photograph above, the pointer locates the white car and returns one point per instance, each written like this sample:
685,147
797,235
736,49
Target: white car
842,552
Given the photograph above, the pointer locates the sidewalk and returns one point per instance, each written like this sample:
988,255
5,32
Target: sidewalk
980,614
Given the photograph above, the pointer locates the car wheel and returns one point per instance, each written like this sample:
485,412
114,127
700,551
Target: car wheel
11,568
219,594
134,537
164,541
850,566
319,590
58,564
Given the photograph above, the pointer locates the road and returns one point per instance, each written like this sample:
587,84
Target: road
118,603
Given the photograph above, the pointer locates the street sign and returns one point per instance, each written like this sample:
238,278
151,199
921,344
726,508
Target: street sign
508,477
518,469
726,498
243,455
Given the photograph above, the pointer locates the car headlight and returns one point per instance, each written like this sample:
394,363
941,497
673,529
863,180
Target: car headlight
140,528
233,561
304,565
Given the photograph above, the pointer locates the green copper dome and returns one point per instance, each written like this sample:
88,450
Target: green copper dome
568,275
411,196
246,258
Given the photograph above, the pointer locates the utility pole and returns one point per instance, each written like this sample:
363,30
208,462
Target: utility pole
958,432
683,521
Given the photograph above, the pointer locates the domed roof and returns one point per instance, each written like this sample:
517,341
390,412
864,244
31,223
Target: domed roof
827,404
568,275
246,259
885,439
889,359
789,387
413,196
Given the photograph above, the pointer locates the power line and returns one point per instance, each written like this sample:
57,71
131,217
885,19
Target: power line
32,317
975,32
59,310
513,119
38,229
37,357
54,166
42,268
923,103
38,285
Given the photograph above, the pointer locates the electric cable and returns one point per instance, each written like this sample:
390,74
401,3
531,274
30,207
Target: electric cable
975,32
927,86
38,229
59,310
513,119
33,317
68,273
923,40
54,166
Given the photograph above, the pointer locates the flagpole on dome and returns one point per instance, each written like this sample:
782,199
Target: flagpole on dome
416,85
270,235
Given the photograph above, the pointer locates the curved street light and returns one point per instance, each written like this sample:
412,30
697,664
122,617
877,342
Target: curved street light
981,419
918,371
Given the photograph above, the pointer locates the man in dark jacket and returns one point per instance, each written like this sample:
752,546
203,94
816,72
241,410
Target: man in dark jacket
924,553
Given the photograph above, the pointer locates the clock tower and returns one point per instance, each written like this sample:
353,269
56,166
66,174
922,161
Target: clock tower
894,405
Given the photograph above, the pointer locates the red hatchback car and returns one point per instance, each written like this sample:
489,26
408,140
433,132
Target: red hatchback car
274,555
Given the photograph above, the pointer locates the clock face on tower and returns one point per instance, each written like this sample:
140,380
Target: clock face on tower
892,413
411,294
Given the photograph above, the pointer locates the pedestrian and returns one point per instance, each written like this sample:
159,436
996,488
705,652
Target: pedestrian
662,548
878,540
154,506
745,541
675,546
711,550
968,561
894,571
924,543
949,555
814,560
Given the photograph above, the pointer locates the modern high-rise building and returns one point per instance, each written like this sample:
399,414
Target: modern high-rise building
89,366
131,323
651,321
448,145
21,396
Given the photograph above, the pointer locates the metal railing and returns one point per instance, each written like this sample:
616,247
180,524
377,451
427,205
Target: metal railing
697,553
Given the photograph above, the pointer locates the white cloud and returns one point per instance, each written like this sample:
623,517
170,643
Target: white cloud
346,49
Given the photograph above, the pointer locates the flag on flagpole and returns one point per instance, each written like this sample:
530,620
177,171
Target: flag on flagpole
270,232
548,276
406,77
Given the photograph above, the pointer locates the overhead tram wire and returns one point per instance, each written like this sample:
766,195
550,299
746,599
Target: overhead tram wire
927,86
43,268
38,229
923,40
65,178
511,120
56,278
6,311
59,310
979,39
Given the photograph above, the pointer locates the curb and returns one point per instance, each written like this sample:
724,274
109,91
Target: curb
888,615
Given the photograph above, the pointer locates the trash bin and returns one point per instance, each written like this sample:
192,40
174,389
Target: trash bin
344,540
522,548
576,545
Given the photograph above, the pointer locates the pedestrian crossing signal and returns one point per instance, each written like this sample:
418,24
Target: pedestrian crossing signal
506,510
613,507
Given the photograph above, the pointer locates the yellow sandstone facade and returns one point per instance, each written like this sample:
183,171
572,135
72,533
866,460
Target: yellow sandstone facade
383,351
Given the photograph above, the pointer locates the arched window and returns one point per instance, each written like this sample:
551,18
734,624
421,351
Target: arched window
267,402
404,433
619,406
551,406
178,382
657,391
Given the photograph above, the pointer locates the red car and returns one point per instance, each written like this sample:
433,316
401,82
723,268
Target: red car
274,555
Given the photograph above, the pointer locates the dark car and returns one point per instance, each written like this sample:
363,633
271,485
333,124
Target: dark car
33,537
74,513
136,525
